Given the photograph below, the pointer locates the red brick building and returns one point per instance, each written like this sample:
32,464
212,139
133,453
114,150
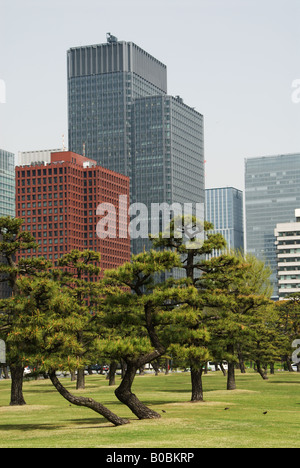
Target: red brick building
58,201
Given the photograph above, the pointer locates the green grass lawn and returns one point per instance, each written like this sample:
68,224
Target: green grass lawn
49,421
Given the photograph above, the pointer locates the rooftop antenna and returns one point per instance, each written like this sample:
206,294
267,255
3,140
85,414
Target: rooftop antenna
63,142
83,150
111,39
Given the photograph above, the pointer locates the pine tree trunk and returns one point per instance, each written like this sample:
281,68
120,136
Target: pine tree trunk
289,364
5,371
80,384
242,364
112,373
231,377
125,395
262,372
17,398
223,369
155,366
86,402
197,388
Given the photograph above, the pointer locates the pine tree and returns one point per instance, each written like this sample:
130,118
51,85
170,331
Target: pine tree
288,326
50,322
182,236
142,313
236,298
80,272
12,242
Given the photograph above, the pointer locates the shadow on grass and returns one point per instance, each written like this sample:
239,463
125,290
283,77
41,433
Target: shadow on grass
94,422
29,427
288,382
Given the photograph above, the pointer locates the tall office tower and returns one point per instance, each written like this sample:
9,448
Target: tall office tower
120,113
7,199
224,209
272,193
7,183
58,201
103,81
287,242
167,158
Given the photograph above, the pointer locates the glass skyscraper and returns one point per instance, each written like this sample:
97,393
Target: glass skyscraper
272,193
103,82
7,183
121,116
7,198
224,209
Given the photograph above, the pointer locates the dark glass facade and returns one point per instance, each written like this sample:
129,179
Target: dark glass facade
7,198
167,155
224,209
103,81
272,193
7,183
121,116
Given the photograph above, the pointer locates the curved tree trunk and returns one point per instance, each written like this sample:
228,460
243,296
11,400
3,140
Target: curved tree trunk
125,395
223,369
17,398
86,402
262,371
197,388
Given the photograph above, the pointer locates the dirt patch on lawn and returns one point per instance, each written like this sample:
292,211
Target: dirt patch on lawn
24,408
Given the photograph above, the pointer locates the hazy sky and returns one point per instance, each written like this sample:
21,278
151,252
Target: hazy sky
233,60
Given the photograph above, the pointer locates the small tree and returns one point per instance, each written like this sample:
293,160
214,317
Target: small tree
49,322
141,314
12,242
288,326
80,269
182,236
236,299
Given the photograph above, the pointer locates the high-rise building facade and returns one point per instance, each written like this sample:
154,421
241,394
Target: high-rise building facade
7,183
167,167
119,111
287,243
7,198
58,201
272,193
103,81
224,209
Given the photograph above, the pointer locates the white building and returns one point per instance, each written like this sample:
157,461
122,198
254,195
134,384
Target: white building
27,158
288,256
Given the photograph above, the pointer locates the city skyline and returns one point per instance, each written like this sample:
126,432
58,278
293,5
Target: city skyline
242,62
